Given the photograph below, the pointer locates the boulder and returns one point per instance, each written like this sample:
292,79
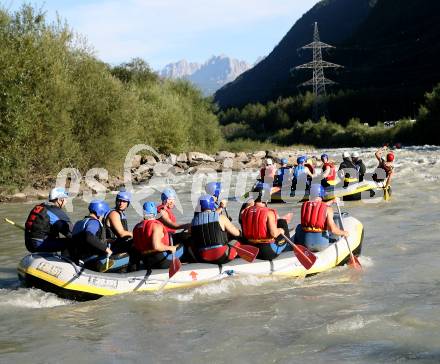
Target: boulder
182,158
18,197
205,167
149,159
259,155
136,161
171,159
199,157
242,157
222,155
254,163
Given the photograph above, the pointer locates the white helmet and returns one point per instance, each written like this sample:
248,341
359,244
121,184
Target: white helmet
269,161
58,192
355,155
345,155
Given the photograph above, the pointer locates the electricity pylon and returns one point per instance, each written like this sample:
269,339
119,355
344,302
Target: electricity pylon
319,80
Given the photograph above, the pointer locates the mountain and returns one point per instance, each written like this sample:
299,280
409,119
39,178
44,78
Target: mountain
209,76
389,50
270,78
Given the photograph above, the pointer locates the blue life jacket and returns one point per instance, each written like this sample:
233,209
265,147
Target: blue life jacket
299,170
206,231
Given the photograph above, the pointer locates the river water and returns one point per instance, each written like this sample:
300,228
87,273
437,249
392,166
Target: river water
389,313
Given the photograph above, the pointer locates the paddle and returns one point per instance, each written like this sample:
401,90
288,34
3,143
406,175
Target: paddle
247,252
304,255
386,193
108,258
14,224
353,262
174,266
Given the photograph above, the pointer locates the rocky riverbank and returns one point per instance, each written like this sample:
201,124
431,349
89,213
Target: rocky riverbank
146,166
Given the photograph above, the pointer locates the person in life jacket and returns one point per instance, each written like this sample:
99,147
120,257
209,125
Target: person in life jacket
267,172
261,226
116,224
359,165
215,189
317,221
328,172
385,170
211,233
347,170
152,240
302,176
283,174
167,217
46,222
89,233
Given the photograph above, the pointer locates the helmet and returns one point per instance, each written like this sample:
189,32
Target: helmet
99,207
167,193
390,157
207,202
284,161
58,192
324,156
149,208
123,196
316,190
263,190
269,161
355,155
301,159
345,155
213,189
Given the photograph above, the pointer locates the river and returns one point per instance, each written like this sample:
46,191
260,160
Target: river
390,313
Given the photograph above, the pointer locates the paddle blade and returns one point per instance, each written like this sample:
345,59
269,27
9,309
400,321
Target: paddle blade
354,263
304,255
247,252
174,267
386,194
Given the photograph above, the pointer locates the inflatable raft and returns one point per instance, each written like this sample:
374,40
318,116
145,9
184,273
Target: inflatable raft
58,274
354,192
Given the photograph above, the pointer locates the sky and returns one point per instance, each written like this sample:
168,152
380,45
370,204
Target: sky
166,31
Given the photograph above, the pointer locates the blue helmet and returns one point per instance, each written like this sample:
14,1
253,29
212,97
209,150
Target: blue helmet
207,202
316,190
98,207
263,190
324,156
301,159
149,208
284,161
213,189
167,193
123,196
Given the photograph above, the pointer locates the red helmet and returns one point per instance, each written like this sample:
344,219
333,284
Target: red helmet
390,157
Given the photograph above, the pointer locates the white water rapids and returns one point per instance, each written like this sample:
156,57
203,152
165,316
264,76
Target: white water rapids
388,314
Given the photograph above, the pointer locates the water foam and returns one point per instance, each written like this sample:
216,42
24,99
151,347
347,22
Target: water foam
30,298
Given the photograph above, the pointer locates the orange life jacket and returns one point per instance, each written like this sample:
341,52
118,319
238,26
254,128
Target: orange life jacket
143,236
254,224
171,216
314,216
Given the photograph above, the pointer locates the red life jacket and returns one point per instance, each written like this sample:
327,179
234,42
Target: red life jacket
170,215
143,236
314,216
332,175
254,224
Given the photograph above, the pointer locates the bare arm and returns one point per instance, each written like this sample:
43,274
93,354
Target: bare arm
326,172
274,231
332,227
228,226
388,182
165,219
378,154
115,223
157,240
